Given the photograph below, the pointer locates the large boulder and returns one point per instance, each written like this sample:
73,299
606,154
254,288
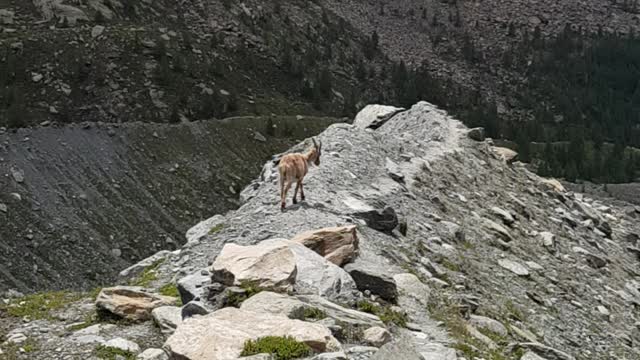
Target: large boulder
268,302
167,318
483,322
130,302
281,265
376,336
339,245
384,219
372,278
222,334
505,154
374,116
317,276
269,265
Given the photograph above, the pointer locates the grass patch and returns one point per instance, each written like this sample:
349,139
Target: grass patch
314,314
447,264
109,353
283,348
39,306
237,298
170,290
385,313
514,312
148,275
216,229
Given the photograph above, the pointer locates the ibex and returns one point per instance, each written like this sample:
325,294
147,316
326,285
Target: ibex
294,167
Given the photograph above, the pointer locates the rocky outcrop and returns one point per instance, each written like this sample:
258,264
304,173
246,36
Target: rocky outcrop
130,303
339,245
167,318
376,336
229,328
374,279
270,265
374,116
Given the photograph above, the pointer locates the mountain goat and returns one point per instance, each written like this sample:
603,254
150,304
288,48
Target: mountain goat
294,167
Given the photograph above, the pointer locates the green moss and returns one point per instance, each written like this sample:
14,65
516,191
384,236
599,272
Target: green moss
388,316
314,313
514,312
216,229
148,275
367,307
385,313
39,306
109,353
283,348
170,290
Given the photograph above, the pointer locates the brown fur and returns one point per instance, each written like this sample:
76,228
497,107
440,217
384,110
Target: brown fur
294,167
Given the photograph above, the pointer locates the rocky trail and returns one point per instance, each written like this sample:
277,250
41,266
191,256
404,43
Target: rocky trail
418,239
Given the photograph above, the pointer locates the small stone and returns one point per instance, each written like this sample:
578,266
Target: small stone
476,134
123,344
153,354
259,137
37,77
376,336
514,267
17,175
97,31
3,208
52,110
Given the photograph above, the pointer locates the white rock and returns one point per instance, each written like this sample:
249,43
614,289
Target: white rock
229,328
123,344
483,322
97,31
514,267
530,355
153,354
167,318
376,336
375,115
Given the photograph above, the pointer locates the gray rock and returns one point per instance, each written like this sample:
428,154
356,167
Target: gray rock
97,31
376,336
3,208
137,269
167,318
476,134
385,219
438,352
548,240
123,344
191,287
203,228
374,116
498,229
331,356
546,352
18,175
259,137
193,308
482,322
153,354
376,280
394,171
530,355
6,17
595,261
504,215
514,267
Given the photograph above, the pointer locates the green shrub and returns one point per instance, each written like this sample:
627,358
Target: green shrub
109,353
385,313
314,313
171,290
148,275
283,348
216,229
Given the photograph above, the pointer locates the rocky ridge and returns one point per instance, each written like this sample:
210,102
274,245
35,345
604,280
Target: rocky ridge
460,255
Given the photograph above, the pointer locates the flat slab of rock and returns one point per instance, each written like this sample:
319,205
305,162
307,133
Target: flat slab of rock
376,280
498,229
123,344
546,352
505,154
222,334
339,245
514,267
293,308
131,302
269,265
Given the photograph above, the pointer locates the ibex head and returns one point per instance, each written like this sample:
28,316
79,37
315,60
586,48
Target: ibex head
317,149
